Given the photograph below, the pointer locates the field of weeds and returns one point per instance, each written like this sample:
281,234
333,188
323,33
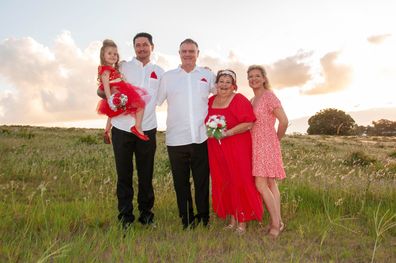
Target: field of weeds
58,204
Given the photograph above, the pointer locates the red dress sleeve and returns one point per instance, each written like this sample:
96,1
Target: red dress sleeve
103,68
272,101
243,110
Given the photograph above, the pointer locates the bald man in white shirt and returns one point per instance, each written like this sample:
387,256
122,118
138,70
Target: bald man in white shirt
186,90
142,73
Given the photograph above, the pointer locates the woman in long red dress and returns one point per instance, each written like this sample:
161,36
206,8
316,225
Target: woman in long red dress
233,190
267,157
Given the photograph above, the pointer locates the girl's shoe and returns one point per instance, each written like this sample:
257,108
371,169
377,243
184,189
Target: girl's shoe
106,138
141,136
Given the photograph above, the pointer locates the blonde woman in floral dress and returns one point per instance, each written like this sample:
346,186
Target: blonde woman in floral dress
267,157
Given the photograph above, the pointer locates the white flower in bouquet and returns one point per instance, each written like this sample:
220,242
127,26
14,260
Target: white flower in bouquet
215,126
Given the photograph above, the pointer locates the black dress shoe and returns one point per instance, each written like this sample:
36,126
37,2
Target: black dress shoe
146,219
203,220
126,225
190,226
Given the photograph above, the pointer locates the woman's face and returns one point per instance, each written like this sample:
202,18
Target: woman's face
256,79
225,86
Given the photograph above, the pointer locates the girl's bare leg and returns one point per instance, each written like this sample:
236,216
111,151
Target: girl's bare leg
106,135
139,119
108,125
137,129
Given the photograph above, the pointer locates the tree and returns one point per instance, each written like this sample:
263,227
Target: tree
331,122
383,127
360,130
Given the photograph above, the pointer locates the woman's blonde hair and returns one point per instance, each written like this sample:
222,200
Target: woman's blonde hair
263,73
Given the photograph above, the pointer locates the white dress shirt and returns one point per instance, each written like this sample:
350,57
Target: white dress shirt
187,99
141,76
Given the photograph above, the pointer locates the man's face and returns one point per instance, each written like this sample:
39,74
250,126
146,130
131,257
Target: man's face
143,48
188,54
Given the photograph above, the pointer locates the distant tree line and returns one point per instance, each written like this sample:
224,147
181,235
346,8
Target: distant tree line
381,127
337,122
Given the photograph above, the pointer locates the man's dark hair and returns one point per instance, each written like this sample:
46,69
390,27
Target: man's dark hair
144,34
189,41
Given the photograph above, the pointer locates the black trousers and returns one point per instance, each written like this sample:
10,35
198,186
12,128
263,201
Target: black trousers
184,158
125,145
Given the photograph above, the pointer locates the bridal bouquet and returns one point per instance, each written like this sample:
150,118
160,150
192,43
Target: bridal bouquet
215,126
118,101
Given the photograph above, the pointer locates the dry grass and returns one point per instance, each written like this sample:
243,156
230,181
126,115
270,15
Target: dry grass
58,204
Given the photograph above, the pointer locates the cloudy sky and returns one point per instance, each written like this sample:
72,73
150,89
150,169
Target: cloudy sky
318,54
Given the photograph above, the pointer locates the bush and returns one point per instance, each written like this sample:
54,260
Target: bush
359,158
89,139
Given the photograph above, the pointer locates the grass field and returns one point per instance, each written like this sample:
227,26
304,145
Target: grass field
58,204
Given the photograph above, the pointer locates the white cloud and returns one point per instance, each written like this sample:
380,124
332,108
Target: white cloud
58,83
336,76
51,84
378,39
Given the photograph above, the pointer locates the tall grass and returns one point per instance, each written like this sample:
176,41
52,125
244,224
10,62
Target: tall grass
58,204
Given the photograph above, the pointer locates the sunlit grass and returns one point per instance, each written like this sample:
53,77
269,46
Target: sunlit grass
58,204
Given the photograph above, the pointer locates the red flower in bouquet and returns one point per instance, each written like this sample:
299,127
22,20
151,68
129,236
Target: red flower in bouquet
118,101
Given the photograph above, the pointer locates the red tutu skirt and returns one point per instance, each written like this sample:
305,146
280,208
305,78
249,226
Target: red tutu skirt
137,99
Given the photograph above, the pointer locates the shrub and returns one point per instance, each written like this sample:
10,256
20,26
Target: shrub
88,139
359,158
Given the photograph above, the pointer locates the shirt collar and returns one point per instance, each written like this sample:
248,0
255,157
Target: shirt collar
199,69
137,62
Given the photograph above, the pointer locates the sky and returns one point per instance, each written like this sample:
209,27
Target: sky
318,54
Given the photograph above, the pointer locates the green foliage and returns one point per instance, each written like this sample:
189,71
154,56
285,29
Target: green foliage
5,131
359,158
392,154
382,127
88,139
331,122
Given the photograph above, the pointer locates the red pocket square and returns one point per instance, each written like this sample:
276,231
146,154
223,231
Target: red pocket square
153,75
204,80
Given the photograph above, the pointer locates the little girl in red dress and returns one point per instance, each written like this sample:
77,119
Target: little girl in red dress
121,97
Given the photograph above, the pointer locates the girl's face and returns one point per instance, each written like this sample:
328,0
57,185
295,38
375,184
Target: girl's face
256,79
110,55
225,86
